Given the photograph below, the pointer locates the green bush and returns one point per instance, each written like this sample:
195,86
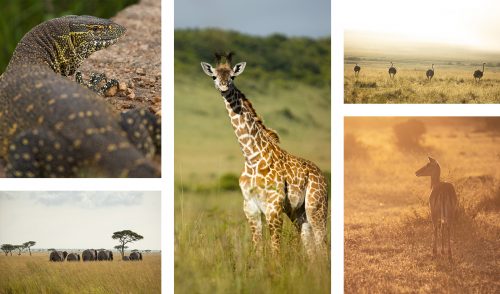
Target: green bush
229,182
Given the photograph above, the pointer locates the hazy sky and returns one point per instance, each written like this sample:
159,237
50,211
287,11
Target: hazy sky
258,17
79,219
472,23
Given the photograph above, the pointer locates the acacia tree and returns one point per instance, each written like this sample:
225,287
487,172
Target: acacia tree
125,237
7,248
19,248
28,245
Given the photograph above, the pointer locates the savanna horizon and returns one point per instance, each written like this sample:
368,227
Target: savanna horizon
388,229
454,66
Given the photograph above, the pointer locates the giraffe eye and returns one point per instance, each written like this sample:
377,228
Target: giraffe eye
213,78
232,77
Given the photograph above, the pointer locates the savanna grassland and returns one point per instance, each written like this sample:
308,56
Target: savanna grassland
388,230
213,250
35,274
453,81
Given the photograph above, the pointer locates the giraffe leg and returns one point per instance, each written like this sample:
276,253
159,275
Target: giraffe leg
317,213
307,237
274,220
253,214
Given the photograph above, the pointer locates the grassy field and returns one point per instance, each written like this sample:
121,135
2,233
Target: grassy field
453,82
214,253
35,274
388,231
205,145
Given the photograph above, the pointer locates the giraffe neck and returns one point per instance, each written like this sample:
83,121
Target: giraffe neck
254,138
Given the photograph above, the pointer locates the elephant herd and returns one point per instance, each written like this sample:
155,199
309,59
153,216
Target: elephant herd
90,255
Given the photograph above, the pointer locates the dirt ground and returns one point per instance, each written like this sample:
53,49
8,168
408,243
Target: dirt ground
135,59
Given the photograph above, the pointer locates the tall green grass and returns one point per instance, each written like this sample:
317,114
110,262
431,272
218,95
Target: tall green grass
18,17
213,251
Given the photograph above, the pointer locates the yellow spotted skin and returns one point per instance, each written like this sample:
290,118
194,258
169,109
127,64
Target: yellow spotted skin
51,126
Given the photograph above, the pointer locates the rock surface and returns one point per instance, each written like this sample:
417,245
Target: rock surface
135,60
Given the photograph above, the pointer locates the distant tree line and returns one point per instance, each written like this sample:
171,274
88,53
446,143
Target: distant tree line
273,57
8,248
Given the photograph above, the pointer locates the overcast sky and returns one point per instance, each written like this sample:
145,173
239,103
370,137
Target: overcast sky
257,17
471,23
79,220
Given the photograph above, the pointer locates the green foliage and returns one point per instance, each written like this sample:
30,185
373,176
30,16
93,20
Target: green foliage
18,17
272,58
229,182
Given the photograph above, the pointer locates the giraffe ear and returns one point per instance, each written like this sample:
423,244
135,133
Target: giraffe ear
238,68
208,69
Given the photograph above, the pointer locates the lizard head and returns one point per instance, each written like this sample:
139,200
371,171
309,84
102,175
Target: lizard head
65,42
82,36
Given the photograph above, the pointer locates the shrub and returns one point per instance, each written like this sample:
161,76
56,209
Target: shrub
409,134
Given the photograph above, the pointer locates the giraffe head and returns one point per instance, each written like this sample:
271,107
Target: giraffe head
223,75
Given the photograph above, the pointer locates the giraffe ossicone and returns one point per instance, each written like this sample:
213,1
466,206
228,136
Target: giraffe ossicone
273,181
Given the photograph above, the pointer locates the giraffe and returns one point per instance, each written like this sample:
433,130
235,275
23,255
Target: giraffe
273,181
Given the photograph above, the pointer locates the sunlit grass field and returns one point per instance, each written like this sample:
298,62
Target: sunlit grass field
388,231
35,274
213,249
453,82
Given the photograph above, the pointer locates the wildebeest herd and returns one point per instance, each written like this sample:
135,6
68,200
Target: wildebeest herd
478,74
90,255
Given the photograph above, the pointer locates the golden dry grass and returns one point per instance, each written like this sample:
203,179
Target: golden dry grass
388,231
35,274
450,84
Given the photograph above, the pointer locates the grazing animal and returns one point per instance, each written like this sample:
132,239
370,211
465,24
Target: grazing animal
89,255
273,181
443,203
51,126
430,73
392,71
73,257
105,255
357,69
126,258
58,255
479,74
135,256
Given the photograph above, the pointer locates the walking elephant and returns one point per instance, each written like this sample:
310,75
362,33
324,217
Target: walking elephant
89,255
73,257
58,255
135,256
105,255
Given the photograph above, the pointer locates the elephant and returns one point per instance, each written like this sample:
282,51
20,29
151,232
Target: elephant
135,256
126,258
58,255
73,257
105,255
89,255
